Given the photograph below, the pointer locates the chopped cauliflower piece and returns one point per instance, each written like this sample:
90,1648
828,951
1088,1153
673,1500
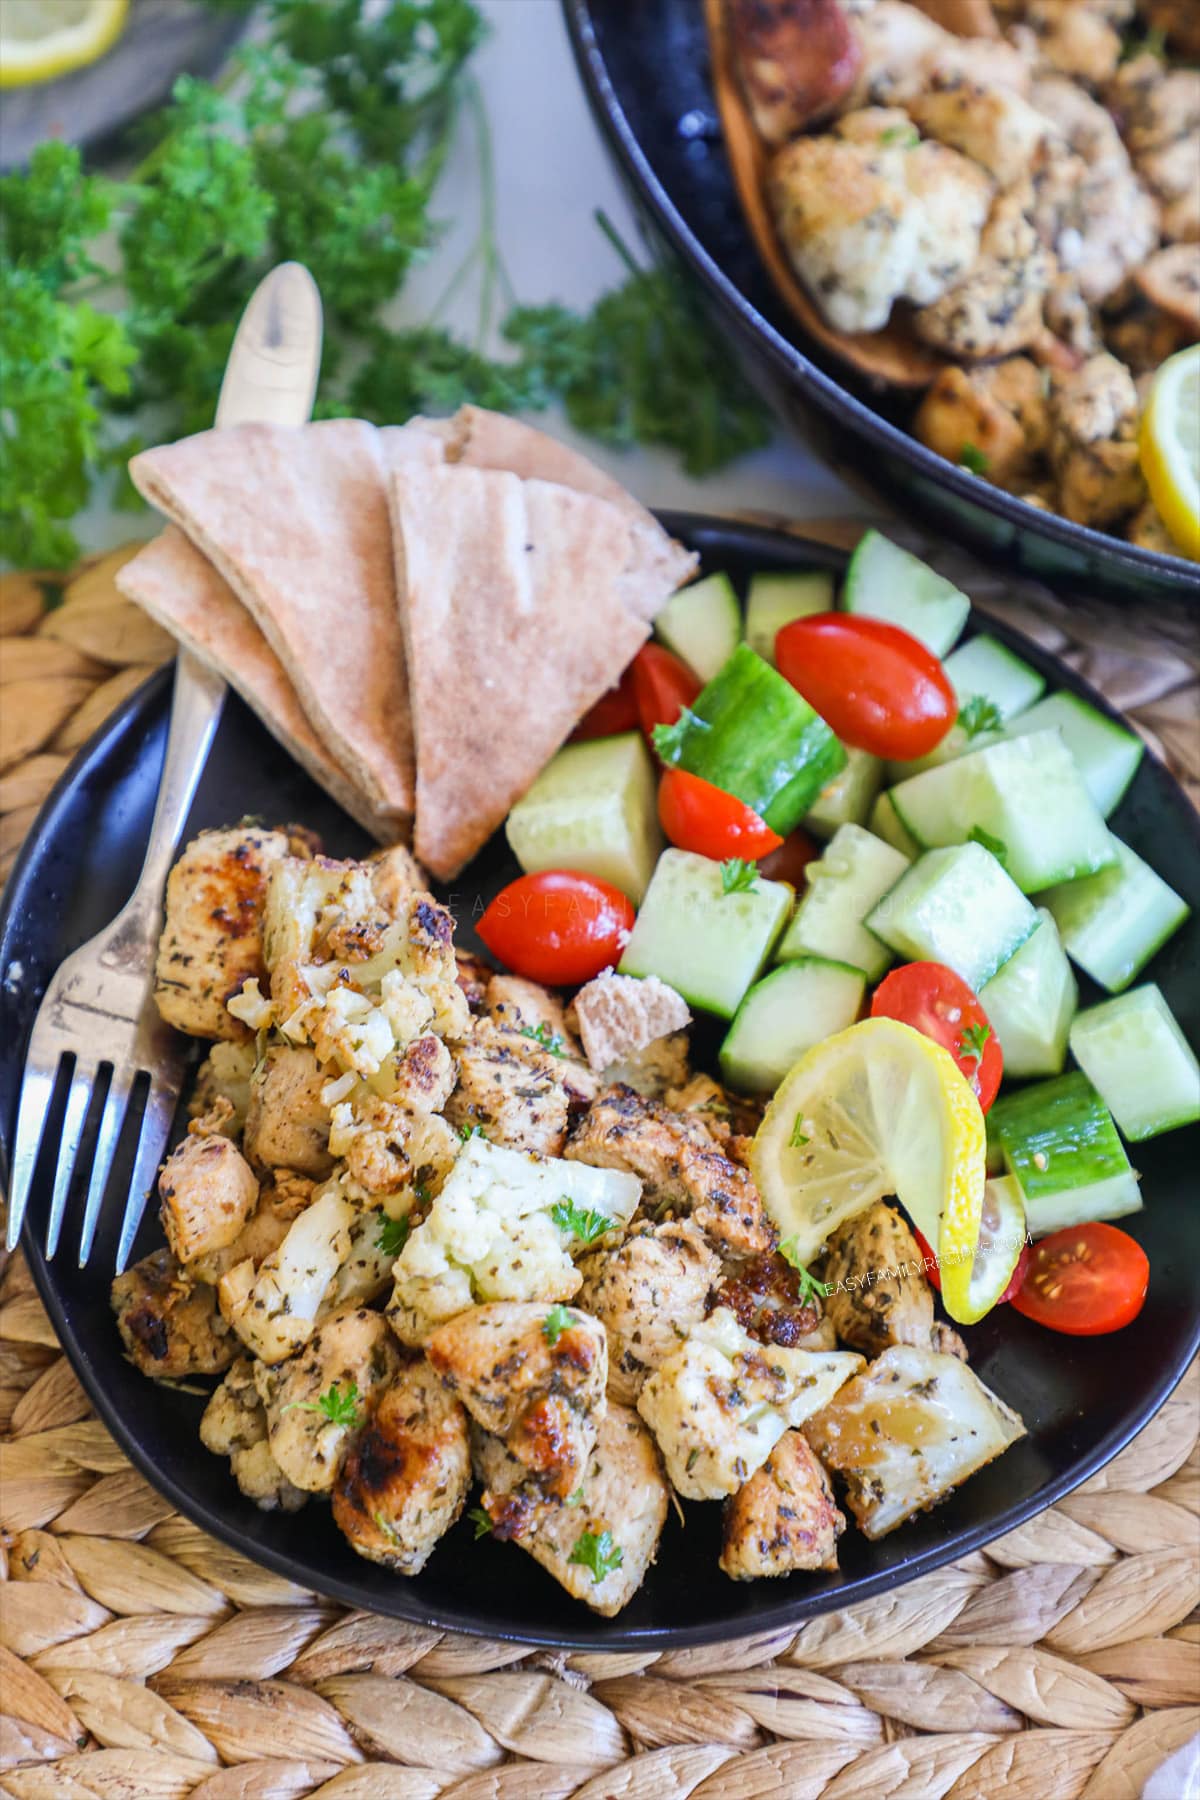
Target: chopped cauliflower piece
390,1148
224,1075
273,1310
235,1425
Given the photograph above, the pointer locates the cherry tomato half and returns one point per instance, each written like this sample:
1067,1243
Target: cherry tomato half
789,862
662,686
614,711
934,1274
558,927
875,685
1085,1281
939,1004
698,816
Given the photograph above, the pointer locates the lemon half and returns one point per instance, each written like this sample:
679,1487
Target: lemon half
1169,447
40,39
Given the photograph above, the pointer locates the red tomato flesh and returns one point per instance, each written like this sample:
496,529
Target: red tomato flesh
934,1273
1085,1281
558,927
875,685
662,686
698,816
614,711
939,1004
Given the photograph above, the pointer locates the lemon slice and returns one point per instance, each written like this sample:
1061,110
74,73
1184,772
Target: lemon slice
40,39
996,1255
1169,447
877,1110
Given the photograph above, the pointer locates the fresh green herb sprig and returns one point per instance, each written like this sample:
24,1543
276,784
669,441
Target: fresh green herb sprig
340,1408
551,1041
556,1321
738,877
997,846
973,1041
810,1288
599,1552
586,1226
973,458
393,1234
480,1520
977,713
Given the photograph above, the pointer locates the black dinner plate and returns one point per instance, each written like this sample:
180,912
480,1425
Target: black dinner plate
1082,1399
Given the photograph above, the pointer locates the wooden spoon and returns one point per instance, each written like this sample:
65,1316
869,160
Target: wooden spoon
891,357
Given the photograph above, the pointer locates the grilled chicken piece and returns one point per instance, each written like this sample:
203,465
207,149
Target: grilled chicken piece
1076,41
389,1147
224,1077
648,1294
1093,442
721,1402
994,126
473,976
784,1518
907,1431
318,1400
405,1481
1159,114
619,1016
169,1322
998,410
880,1294
1087,204
278,1205
273,1307
680,1165
600,1546
513,1088
997,308
795,60
902,49
543,1398
764,1297
1170,281
540,1016
208,1190
287,1122
212,940
235,1425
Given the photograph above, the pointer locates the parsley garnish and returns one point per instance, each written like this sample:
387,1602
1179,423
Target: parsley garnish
669,740
738,877
556,1321
799,1138
997,846
338,1407
576,1499
467,1132
809,1287
480,1521
978,713
597,1553
586,1226
393,1234
973,458
973,1041
549,1040
907,137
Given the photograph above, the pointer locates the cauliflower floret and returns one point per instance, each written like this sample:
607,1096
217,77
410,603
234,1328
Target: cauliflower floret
224,1075
376,1239
392,1149
235,1425
722,1402
491,1234
273,1310
992,125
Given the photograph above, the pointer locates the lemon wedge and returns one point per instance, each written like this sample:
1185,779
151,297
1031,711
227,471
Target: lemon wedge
1169,447
878,1110
40,39
1001,1239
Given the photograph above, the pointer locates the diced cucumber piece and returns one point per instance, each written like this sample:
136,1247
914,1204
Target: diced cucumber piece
1112,923
774,600
702,624
884,821
785,1014
886,582
1132,1051
1023,798
1031,1001
1106,754
985,669
593,808
1060,1143
958,907
753,735
957,742
856,871
849,796
709,945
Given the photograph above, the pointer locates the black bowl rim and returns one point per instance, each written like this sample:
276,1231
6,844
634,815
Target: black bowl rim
742,539
791,361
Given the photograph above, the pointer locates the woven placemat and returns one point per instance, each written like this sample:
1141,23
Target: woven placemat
140,1660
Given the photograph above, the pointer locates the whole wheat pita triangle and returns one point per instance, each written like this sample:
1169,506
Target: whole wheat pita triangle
514,601
177,585
296,520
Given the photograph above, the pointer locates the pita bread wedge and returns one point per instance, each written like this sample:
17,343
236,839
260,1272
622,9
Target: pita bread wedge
179,587
490,440
515,624
296,520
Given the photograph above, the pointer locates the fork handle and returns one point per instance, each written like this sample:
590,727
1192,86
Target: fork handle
196,702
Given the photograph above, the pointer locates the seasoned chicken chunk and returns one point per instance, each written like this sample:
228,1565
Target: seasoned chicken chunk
318,1400
212,940
287,1122
994,414
1093,442
994,126
208,1190
235,1425
721,1402
224,1075
405,1481
907,1431
902,49
784,1518
880,1294
795,60
169,1322
279,1203
997,307
535,1378
1159,113
1075,40
618,1016
653,1071
538,1015
274,1307
648,1294
512,1087
1087,204
600,1546
473,975
1170,281
765,1298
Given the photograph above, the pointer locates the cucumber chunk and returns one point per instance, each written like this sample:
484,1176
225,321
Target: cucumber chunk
1134,1054
1059,1141
785,1014
1031,1001
886,582
957,742
702,624
708,945
1106,755
1024,798
593,808
986,668
1112,923
856,871
849,796
955,906
774,600
884,821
